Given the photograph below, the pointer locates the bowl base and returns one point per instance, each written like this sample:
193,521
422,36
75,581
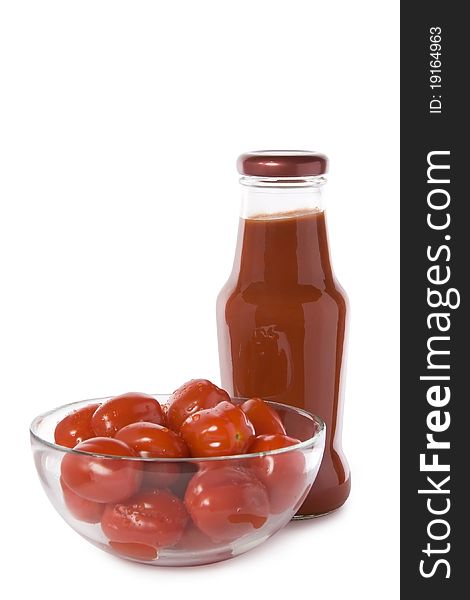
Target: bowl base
317,516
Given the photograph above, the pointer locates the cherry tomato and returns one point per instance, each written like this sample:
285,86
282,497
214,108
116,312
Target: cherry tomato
155,518
150,440
283,474
220,431
264,419
227,502
191,397
102,479
75,427
81,508
137,551
116,413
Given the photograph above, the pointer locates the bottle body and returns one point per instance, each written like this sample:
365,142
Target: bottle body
282,321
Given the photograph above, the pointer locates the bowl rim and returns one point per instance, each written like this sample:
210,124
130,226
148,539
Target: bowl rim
321,430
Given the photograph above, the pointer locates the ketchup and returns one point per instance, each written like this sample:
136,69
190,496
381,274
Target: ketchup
282,315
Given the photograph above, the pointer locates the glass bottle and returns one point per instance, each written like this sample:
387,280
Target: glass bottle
282,316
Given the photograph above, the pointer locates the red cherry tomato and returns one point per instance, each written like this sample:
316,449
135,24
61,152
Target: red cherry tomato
264,419
194,395
137,551
102,479
116,413
227,503
81,508
75,427
156,518
150,440
220,431
283,474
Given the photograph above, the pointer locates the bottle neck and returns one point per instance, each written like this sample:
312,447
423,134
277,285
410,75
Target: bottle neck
269,196
282,239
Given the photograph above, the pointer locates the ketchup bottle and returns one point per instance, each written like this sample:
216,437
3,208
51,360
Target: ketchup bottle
282,316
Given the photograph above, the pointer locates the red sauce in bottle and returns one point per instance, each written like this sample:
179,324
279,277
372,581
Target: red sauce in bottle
281,324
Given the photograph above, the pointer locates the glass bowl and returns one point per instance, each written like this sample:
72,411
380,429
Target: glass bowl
234,510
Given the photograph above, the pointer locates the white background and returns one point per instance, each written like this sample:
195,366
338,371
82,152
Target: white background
120,126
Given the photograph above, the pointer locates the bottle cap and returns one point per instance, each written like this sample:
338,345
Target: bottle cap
282,163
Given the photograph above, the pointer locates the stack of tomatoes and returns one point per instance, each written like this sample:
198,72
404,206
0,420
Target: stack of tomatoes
146,505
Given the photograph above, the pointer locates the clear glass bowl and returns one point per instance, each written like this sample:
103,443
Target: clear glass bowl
232,531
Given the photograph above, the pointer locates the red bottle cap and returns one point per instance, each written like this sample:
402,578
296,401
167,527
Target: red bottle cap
282,163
